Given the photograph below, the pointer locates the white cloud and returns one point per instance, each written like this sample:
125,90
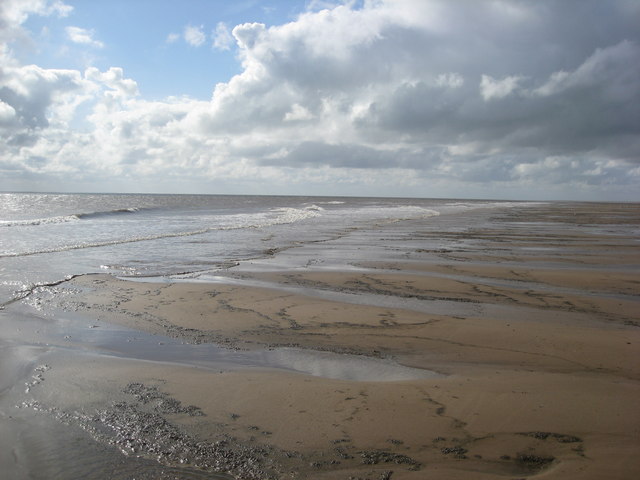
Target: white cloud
298,113
7,112
32,92
13,13
114,79
83,36
173,37
451,80
491,88
247,34
16,12
222,38
194,36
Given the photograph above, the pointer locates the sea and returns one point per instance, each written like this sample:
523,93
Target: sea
48,237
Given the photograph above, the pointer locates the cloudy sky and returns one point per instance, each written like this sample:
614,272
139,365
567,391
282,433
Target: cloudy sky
428,98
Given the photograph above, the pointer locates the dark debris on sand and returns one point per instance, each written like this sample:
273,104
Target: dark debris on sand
458,451
135,429
533,462
374,457
162,402
560,437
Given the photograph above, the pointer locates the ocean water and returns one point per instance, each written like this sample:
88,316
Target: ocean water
45,238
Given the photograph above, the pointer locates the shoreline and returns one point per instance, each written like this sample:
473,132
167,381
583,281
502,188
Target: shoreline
537,349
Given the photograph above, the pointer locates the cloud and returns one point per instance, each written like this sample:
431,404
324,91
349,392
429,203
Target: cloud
31,92
452,80
318,154
298,113
173,37
7,113
394,96
613,67
194,36
491,88
83,36
13,13
222,38
114,79
560,112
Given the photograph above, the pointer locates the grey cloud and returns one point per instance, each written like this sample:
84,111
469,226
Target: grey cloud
30,110
416,109
317,154
31,91
348,156
20,139
596,110
528,168
593,107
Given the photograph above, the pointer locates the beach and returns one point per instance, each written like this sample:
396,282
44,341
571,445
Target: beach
494,344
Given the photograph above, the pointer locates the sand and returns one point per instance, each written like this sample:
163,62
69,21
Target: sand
532,328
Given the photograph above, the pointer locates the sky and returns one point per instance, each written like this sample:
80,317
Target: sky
503,99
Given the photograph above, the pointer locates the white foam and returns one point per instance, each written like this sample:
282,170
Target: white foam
278,216
39,221
291,215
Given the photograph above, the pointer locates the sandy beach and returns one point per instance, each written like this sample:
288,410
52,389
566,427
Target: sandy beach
528,326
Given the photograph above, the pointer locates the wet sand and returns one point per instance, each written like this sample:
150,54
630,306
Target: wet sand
529,317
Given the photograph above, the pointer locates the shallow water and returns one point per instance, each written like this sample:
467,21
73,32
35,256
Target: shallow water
70,332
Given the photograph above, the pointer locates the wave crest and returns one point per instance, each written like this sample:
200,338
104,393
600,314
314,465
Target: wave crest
282,216
66,218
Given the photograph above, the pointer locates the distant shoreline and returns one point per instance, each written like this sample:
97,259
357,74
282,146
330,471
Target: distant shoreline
300,195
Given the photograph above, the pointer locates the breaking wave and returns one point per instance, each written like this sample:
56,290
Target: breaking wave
66,218
108,213
276,216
